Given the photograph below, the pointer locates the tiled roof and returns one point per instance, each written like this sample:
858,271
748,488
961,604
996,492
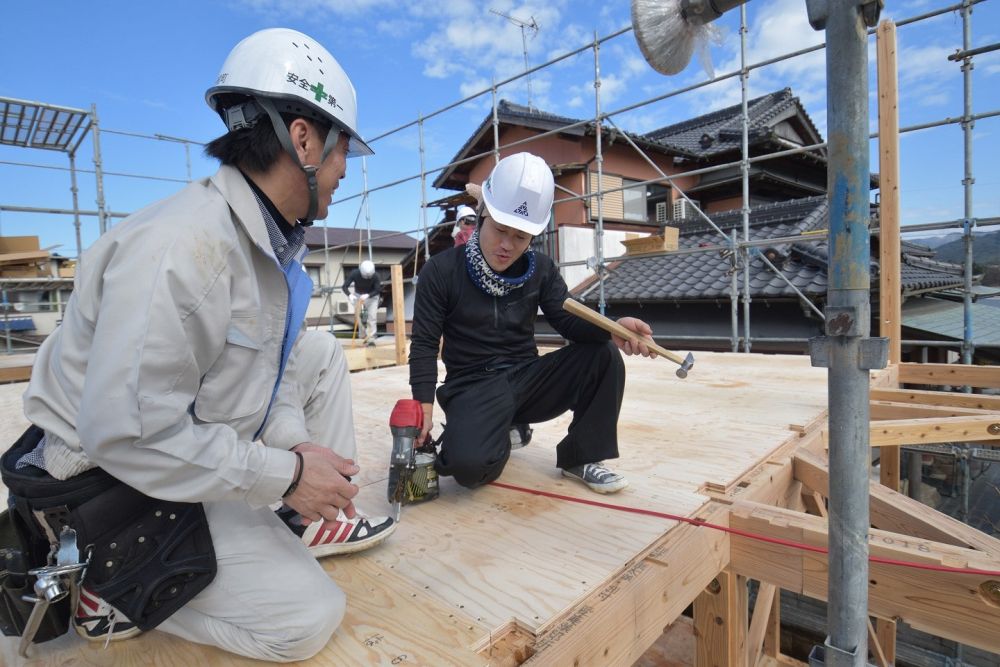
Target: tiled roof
318,237
721,131
943,318
705,275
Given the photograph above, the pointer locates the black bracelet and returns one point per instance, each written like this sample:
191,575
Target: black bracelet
298,476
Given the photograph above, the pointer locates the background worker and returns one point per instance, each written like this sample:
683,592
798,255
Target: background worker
465,224
482,298
362,288
181,370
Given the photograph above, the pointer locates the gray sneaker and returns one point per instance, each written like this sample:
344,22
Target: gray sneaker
597,477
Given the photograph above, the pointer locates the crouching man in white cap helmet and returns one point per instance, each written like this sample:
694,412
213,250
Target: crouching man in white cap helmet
181,372
362,288
482,298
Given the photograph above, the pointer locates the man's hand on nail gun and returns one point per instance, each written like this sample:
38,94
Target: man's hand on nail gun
323,488
629,347
428,409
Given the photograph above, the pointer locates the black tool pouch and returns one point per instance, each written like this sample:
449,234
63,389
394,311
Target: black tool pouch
15,584
147,557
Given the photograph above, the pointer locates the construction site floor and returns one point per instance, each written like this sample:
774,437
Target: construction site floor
475,566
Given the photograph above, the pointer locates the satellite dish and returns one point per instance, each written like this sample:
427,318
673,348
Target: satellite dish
669,30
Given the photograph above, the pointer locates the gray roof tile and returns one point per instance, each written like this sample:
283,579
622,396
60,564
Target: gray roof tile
705,276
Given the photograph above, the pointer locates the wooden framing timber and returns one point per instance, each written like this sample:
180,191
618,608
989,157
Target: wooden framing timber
954,375
936,398
892,511
961,607
915,432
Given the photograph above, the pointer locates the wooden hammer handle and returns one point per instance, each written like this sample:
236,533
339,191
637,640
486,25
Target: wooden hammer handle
592,316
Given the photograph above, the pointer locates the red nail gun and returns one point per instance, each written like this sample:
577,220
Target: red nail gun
412,478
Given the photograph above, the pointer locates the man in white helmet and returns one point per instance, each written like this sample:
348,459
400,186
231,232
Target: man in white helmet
465,224
362,288
482,299
181,377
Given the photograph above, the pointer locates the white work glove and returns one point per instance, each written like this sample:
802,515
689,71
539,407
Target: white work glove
352,298
364,297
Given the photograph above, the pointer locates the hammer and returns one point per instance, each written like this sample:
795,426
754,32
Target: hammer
580,310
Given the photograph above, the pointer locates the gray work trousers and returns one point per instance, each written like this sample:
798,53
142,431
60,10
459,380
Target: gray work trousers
271,600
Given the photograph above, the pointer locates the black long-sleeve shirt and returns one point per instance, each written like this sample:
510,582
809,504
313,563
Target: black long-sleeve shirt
362,285
481,330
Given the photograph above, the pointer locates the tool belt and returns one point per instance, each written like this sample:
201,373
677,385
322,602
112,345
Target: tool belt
144,556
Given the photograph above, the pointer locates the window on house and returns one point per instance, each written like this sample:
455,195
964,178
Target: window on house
631,202
315,274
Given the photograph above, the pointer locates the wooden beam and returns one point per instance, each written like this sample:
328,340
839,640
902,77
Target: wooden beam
884,641
955,375
895,512
772,637
398,313
957,606
720,614
760,622
881,410
917,432
656,588
941,398
888,159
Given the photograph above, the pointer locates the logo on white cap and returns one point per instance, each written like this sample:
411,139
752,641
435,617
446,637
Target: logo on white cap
522,209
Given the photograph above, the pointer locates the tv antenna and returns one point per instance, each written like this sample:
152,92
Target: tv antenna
523,25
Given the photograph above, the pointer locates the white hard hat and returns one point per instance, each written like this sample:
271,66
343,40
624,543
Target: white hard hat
297,74
519,192
367,268
464,212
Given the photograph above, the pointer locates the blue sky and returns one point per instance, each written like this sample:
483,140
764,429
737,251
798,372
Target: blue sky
146,67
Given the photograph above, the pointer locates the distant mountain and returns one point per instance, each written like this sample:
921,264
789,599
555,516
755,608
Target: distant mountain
985,248
934,241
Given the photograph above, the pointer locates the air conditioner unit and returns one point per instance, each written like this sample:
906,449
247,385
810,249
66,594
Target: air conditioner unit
685,209
343,307
661,212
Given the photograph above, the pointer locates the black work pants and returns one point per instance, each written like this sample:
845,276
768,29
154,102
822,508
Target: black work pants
587,378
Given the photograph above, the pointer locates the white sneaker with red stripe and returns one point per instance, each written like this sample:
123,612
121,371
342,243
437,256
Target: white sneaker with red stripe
341,535
98,621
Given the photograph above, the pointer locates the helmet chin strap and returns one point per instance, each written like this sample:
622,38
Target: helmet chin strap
309,170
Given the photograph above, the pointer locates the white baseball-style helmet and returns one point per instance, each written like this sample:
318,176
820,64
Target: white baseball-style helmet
367,268
464,212
519,193
298,74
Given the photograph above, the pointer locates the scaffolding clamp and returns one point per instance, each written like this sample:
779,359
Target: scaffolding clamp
873,353
819,10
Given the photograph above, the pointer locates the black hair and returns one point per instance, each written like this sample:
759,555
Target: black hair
254,149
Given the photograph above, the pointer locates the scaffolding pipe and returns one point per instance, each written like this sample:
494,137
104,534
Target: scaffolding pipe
969,224
76,214
745,176
599,158
734,290
848,323
368,213
102,215
496,125
423,187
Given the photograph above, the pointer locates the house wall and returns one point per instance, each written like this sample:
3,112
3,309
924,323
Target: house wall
574,219
333,273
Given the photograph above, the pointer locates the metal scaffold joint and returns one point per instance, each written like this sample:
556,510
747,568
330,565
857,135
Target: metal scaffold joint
873,353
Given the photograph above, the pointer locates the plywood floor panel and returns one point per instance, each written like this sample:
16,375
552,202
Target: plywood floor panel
469,563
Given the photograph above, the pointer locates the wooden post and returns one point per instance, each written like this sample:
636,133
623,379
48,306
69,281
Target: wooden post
720,622
399,313
888,157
